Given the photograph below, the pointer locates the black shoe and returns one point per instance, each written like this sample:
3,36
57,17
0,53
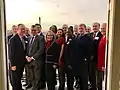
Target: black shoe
89,86
43,86
25,84
28,86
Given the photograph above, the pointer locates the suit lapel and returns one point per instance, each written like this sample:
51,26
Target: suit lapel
19,40
34,41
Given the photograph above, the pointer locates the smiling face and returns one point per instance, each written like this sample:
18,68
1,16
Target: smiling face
49,36
82,28
65,28
33,31
21,29
88,29
96,27
103,28
59,33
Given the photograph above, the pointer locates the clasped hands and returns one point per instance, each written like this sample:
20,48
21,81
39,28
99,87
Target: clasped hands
29,59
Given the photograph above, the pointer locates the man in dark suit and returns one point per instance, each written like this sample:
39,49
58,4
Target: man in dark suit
14,31
36,49
17,53
96,35
38,28
66,68
82,53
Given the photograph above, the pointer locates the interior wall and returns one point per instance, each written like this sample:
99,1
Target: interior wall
3,76
113,79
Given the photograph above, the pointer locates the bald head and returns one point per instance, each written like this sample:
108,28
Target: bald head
76,29
103,28
88,29
96,27
65,28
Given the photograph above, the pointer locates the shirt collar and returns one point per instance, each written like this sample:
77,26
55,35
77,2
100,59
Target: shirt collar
39,33
96,33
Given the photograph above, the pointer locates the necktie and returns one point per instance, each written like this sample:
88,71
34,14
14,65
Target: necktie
31,41
30,45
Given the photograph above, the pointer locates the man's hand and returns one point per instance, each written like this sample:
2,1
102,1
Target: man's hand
13,68
92,57
29,59
103,69
69,66
54,66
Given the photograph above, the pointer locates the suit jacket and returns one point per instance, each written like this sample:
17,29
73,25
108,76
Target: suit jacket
96,41
68,51
37,48
52,53
42,35
82,52
9,37
17,52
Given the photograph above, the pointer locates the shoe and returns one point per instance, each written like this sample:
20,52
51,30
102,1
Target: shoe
28,86
42,85
25,84
89,86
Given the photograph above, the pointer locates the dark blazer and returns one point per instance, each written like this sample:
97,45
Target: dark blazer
52,53
82,53
37,49
96,43
42,35
52,56
68,51
8,38
17,52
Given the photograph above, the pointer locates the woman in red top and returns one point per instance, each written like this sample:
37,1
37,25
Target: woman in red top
61,41
61,72
101,57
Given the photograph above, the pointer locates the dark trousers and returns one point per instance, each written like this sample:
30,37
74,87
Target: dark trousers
77,80
35,74
50,86
100,78
27,73
70,80
42,73
10,75
15,77
83,78
92,74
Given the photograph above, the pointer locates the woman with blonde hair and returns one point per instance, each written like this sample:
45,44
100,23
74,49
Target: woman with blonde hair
52,56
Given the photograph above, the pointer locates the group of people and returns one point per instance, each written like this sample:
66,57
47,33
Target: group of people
78,53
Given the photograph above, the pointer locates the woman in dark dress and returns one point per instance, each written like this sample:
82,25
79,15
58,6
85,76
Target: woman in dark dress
52,56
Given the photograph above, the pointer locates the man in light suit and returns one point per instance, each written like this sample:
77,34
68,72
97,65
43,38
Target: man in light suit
36,48
17,53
